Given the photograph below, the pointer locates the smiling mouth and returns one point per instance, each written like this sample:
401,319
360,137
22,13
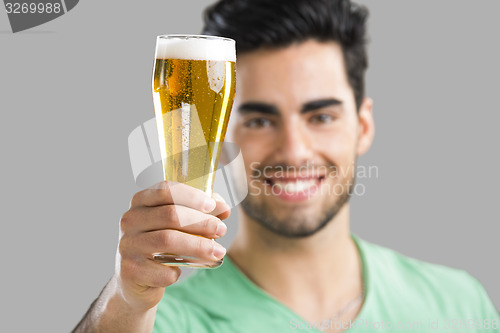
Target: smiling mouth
294,188
294,184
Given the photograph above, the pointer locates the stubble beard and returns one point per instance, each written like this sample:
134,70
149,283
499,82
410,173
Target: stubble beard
294,223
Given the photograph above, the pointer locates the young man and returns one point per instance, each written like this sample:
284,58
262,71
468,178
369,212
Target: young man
301,120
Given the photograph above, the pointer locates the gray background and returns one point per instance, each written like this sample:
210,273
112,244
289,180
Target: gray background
73,89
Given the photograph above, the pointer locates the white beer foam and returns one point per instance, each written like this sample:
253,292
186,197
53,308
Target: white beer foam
195,48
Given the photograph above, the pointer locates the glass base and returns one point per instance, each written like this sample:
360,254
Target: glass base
185,261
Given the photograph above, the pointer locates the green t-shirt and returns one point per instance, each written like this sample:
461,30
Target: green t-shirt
402,294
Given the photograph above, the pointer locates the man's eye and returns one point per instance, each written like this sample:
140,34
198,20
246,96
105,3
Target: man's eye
321,119
258,123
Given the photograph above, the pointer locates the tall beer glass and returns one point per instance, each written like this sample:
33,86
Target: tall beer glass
193,92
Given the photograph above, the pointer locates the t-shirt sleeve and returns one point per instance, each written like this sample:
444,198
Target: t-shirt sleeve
488,310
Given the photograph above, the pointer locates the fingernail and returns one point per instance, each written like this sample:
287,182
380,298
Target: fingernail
219,250
209,205
221,229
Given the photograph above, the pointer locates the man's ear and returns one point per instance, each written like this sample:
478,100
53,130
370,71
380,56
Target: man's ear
366,129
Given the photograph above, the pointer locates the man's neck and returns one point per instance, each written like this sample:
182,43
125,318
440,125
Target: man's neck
314,276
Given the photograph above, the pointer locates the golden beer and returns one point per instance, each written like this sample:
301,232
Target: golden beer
193,92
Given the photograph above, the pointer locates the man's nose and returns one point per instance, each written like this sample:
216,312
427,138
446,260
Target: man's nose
295,146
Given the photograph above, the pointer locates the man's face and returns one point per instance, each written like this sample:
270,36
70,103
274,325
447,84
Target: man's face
295,119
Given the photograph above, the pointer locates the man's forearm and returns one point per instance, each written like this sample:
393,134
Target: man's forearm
110,313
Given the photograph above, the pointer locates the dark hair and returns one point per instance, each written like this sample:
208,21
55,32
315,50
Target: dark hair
258,24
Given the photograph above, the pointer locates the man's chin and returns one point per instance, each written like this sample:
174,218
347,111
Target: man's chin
297,220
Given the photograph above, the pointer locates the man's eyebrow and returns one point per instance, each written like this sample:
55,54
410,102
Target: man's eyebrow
258,107
318,104
270,109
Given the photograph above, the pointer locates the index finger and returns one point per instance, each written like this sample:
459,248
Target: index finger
168,193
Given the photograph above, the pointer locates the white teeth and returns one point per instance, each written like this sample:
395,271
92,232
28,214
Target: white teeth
295,187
